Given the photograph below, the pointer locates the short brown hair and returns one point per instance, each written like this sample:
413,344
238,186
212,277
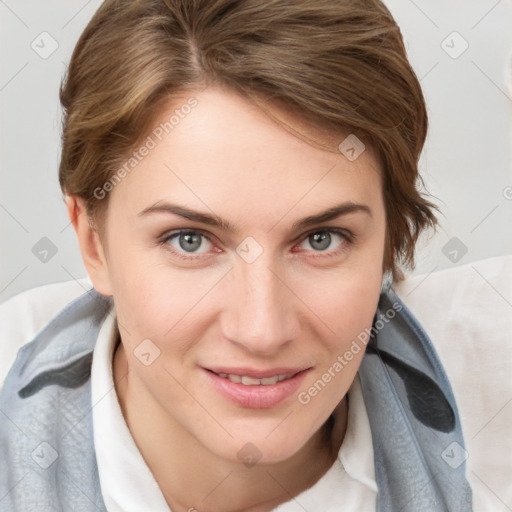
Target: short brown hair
339,64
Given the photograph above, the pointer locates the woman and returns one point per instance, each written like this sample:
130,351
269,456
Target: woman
242,178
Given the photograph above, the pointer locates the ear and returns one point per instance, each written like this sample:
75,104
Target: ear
93,254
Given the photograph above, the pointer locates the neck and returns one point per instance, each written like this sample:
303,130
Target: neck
193,478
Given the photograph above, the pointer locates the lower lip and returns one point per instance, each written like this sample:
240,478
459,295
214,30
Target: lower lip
259,396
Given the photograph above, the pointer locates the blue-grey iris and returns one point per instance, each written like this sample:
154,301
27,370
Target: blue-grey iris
320,241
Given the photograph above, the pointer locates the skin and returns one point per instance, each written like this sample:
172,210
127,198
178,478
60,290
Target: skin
295,305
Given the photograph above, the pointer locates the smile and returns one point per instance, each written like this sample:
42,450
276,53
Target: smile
250,381
256,389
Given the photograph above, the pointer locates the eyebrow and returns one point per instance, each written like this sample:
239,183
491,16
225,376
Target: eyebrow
181,211
218,222
331,214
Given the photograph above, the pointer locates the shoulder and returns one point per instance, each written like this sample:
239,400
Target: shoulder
467,313
22,317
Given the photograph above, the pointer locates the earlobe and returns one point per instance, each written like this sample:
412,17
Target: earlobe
93,254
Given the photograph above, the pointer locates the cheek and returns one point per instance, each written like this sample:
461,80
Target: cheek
345,305
154,301
346,299
349,311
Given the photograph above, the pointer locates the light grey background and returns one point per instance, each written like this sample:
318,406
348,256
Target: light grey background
466,164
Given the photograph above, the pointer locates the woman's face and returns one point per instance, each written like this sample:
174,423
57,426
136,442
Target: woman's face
237,252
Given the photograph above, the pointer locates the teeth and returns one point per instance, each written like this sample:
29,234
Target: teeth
249,381
270,380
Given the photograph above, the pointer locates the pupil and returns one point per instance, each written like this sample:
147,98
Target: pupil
190,242
320,241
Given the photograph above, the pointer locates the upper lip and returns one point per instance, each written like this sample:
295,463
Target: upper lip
255,373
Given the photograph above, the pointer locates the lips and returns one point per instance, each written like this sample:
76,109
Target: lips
256,389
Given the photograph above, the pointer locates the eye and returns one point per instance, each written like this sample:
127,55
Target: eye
325,240
188,241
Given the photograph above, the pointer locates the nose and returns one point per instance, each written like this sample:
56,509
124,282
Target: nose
260,311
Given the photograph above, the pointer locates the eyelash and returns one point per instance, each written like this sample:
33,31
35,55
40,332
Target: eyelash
348,240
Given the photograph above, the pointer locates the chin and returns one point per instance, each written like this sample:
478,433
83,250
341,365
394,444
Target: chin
251,446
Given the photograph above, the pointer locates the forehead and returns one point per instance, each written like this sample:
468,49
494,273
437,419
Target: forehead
216,149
